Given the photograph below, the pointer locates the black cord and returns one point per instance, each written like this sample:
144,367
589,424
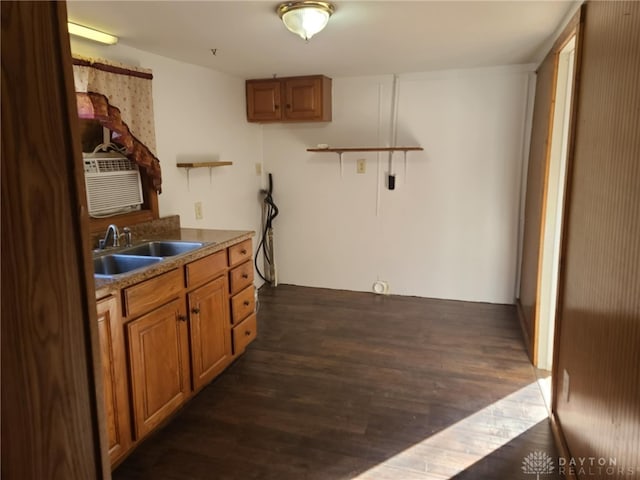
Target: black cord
270,214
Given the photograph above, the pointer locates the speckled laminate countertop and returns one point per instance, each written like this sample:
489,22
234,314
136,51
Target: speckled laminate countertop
215,240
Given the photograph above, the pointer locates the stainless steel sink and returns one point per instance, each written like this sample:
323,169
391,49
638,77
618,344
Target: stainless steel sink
114,264
165,248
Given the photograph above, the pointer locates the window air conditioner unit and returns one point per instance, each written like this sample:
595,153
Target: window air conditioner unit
113,184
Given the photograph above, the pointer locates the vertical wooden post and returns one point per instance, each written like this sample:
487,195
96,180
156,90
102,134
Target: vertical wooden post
50,416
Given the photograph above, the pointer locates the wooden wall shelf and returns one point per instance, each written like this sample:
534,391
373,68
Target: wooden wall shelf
189,165
341,150
365,149
202,164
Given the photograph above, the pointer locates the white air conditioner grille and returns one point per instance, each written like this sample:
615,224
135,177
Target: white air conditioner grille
113,184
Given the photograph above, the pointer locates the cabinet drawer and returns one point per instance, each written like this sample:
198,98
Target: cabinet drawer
206,268
241,277
151,293
244,333
243,304
239,253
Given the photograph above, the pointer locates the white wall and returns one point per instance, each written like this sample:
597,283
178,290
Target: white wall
198,112
449,230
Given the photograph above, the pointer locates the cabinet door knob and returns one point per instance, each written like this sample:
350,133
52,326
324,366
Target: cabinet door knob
195,310
182,318
247,303
247,333
245,275
276,107
243,251
288,106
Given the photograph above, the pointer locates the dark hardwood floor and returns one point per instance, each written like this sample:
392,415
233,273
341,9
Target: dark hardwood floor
348,385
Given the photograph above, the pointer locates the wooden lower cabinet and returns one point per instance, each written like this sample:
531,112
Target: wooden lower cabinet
158,365
170,335
209,331
114,378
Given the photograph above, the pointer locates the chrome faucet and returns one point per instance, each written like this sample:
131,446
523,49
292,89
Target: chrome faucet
102,243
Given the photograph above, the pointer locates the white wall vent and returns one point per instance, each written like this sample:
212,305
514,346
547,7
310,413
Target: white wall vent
113,184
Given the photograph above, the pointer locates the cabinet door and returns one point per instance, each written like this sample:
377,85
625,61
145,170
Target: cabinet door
210,331
263,100
159,364
112,357
307,98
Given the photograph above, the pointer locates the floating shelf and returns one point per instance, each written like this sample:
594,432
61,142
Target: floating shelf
189,165
365,149
341,150
202,164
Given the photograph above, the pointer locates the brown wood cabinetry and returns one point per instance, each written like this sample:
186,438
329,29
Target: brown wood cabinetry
241,277
209,331
206,268
243,304
239,253
159,364
180,334
148,294
112,355
244,334
290,99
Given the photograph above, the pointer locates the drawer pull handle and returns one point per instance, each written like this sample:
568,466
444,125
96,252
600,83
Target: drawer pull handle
243,251
247,303
182,318
247,333
245,275
195,310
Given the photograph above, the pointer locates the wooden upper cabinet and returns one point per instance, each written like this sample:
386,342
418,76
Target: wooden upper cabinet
290,99
263,100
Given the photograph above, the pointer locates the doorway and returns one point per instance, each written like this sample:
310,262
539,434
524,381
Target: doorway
553,206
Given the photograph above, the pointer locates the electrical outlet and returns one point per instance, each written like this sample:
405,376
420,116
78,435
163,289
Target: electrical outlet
565,385
258,168
198,209
361,166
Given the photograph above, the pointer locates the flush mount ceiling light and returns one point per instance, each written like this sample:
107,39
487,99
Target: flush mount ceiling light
91,34
305,18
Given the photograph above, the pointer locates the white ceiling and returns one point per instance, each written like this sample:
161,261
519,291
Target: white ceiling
362,38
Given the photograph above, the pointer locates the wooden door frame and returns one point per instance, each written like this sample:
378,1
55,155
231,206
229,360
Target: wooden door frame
572,29
52,408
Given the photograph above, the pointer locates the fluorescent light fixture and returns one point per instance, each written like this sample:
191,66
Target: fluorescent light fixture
91,34
305,18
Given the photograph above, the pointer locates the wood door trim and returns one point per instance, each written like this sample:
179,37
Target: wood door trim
561,444
572,29
571,146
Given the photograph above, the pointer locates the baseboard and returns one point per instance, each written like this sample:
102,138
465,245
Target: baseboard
561,443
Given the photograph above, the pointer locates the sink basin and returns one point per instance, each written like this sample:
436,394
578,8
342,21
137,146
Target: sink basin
115,264
164,248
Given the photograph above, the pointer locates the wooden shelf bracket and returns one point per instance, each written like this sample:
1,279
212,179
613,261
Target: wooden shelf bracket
341,150
210,165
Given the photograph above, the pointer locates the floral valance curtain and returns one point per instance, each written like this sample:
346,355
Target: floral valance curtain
120,96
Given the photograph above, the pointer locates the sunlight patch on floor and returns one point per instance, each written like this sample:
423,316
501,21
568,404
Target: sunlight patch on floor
453,450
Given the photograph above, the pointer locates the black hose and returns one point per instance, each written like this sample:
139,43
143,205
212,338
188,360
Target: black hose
270,214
